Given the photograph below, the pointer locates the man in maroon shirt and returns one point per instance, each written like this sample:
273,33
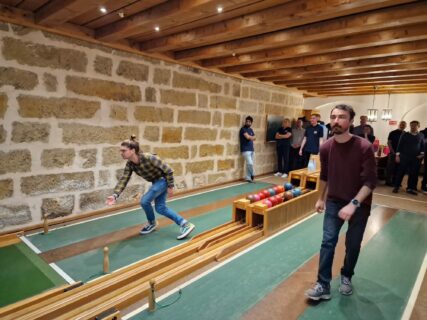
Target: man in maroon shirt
347,178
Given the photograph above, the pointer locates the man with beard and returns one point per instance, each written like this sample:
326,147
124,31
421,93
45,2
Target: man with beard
347,179
247,138
392,142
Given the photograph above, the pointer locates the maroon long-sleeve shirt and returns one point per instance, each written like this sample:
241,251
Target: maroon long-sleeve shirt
346,167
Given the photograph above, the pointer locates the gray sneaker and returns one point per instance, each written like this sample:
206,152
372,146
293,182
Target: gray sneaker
185,230
346,287
318,292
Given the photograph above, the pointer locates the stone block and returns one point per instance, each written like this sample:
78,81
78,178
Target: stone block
94,200
202,100
103,65
15,161
194,116
14,215
50,82
226,164
192,133
89,158
225,134
103,178
86,134
3,134
177,168
232,120
132,71
6,188
232,149
119,113
52,183
186,81
180,152
259,94
4,26
248,106
111,155
217,119
236,90
150,94
178,98
199,166
193,151
19,79
217,178
30,132
61,108
39,55
220,102
172,135
104,89
208,150
153,114
57,158
3,105
162,76
199,180
278,98
57,207
152,133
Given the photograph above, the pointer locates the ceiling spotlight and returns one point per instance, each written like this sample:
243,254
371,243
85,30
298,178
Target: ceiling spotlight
121,14
219,9
157,28
233,54
103,9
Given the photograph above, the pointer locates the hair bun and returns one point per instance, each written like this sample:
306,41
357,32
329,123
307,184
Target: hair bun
133,137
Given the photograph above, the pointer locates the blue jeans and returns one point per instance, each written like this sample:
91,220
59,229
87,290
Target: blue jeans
159,192
249,159
332,224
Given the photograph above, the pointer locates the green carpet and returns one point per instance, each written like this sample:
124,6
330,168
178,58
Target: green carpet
91,229
24,274
126,252
385,274
251,276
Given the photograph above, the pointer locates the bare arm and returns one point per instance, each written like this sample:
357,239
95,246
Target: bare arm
302,146
249,137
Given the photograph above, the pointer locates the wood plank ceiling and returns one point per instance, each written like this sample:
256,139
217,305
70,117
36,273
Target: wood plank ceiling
322,47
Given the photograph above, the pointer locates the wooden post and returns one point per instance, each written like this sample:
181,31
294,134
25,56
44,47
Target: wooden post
106,260
45,224
151,297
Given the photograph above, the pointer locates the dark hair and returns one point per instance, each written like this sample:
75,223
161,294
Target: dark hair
249,118
415,121
347,108
132,143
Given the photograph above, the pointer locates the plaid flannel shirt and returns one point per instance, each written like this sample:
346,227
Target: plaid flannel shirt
150,167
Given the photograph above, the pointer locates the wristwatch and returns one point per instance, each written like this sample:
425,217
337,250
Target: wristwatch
355,202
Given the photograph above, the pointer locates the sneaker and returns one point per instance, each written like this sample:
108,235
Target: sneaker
346,287
249,181
185,230
424,191
318,292
284,175
413,192
395,190
148,228
277,174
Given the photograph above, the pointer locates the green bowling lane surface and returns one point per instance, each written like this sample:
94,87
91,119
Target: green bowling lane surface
385,274
128,251
91,229
229,291
24,274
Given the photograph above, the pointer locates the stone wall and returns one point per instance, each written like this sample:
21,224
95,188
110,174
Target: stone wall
65,105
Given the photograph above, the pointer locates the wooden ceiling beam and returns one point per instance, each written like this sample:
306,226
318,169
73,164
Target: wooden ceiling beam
362,22
362,84
353,73
360,93
367,90
348,55
173,11
56,12
288,15
344,65
362,40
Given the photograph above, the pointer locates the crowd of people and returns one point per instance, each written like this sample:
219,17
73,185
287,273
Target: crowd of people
296,143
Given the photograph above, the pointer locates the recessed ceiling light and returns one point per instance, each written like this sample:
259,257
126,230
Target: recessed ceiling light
103,9
157,28
219,9
233,54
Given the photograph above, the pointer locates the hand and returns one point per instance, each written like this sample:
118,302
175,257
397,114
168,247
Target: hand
420,156
110,200
320,206
170,192
397,158
347,212
300,152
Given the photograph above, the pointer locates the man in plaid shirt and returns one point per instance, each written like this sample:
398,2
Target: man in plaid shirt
152,169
